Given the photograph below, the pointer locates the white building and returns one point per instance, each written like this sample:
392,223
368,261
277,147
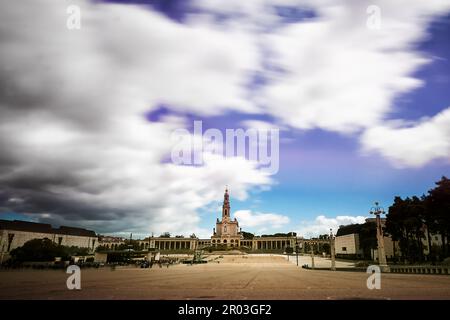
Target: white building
110,242
14,234
348,245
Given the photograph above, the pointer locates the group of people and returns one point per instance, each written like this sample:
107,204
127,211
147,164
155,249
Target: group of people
146,263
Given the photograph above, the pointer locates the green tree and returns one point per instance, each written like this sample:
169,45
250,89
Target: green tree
307,247
129,244
405,223
38,250
325,247
279,234
76,251
417,209
248,235
368,238
438,211
348,229
101,248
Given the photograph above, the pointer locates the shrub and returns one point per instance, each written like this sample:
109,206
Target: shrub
39,250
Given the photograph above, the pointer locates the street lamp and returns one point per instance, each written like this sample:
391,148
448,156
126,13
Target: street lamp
296,249
377,211
312,254
287,246
332,251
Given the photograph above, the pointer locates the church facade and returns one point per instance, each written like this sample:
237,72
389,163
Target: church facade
227,231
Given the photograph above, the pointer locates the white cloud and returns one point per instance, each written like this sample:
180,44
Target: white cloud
413,145
322,225
260,125
76,147
339,75
130,55
75,144
260,222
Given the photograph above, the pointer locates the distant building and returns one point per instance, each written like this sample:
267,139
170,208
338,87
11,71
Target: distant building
110,242
226,233
14,234
348,244
169,244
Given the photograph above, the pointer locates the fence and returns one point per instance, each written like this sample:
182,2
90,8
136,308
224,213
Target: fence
421,269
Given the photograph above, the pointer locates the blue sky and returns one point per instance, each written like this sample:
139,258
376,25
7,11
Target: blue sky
323,172
364,113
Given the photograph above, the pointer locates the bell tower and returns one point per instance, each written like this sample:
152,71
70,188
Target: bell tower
226,206
226,233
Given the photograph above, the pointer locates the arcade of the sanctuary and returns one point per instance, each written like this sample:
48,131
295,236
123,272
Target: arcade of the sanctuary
227,233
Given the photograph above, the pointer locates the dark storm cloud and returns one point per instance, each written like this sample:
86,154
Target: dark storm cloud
75,146
41,201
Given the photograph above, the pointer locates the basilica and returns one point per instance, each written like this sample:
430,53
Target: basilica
226,234
227,231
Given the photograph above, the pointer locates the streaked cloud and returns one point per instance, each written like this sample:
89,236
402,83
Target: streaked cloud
322,225
76,147
411,145
260,222
331,71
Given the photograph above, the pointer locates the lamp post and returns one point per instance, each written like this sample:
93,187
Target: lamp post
332,251
312,254
287,246
377,211
296,249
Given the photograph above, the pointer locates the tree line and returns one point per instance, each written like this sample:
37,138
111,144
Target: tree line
414,219
43,250
409,222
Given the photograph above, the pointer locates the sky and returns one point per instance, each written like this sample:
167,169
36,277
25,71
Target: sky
87,115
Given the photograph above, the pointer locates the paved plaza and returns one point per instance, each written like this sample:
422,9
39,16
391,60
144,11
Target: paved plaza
229,277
